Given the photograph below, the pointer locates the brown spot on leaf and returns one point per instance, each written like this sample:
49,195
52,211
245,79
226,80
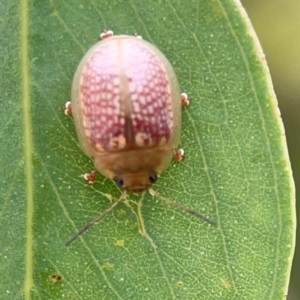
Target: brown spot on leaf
55,277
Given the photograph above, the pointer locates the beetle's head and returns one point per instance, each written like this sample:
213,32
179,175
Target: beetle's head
136,182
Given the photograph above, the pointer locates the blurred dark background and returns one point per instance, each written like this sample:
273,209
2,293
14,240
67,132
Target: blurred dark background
277,24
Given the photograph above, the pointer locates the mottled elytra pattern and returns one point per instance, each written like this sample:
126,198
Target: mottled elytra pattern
125,96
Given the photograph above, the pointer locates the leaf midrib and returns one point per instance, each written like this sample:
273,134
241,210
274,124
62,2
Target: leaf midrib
27,142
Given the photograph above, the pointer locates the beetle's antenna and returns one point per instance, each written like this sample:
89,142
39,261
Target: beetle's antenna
86,227
153,193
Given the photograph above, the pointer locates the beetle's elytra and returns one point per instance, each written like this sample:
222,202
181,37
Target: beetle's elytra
126,106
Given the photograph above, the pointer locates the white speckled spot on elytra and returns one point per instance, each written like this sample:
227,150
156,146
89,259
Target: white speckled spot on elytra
116,82
131,87
117,143
142,137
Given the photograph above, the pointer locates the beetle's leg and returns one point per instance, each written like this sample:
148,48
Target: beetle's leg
185,99
90,177
67,108
106,34
179,154
137,36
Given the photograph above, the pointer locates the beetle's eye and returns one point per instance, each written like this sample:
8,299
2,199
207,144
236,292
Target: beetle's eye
152,178
119,181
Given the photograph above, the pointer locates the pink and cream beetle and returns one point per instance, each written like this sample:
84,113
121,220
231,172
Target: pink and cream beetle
126,106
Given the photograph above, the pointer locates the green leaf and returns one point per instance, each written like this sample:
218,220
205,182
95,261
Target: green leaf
236,170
